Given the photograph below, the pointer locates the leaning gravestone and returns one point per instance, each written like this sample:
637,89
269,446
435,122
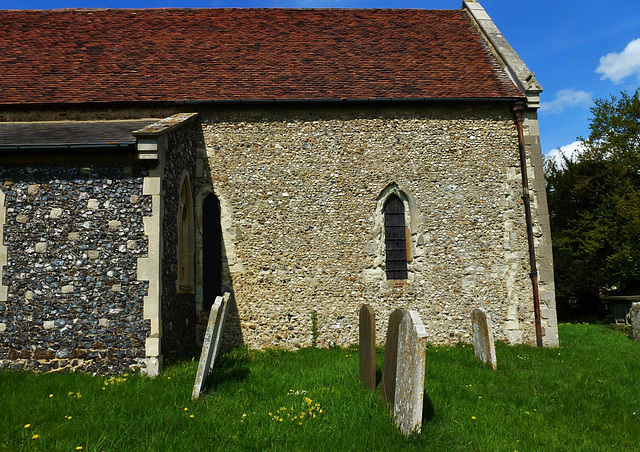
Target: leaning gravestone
211,342
367,341
409,393
388,384
634,314
483,338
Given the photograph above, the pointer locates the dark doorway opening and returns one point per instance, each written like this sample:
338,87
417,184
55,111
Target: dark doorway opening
211,251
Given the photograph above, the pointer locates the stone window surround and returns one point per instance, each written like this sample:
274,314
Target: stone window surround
185,251
411,223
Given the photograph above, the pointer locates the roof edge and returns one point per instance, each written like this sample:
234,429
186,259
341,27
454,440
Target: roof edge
201,102
522,76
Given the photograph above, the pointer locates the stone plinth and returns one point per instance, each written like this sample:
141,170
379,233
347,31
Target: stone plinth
367,347
483,338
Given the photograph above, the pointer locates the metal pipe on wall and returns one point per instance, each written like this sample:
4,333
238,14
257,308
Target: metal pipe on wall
518,110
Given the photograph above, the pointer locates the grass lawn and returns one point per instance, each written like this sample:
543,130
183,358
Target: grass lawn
582,396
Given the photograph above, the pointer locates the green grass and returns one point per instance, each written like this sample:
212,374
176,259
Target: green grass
584,395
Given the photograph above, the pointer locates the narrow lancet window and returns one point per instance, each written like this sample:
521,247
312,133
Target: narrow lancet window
395,238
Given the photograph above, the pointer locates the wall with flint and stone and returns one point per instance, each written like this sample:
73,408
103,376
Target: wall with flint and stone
302,192
178,307
72,235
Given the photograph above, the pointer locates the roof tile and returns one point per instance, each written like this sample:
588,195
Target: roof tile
119,55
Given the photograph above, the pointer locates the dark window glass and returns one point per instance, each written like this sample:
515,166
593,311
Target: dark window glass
395,238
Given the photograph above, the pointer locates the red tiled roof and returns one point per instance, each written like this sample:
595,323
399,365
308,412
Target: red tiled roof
78,56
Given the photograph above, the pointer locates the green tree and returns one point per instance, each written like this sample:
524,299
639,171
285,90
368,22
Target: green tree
594,205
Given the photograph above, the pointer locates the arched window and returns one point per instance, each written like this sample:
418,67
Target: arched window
186,239
395,238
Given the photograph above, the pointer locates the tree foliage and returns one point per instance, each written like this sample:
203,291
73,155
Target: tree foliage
594,206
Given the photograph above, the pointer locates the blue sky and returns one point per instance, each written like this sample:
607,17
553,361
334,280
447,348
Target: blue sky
579,50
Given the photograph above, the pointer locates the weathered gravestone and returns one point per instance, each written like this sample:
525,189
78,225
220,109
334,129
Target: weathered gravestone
367,347
409,394
388,384
211,343
634,315
483,338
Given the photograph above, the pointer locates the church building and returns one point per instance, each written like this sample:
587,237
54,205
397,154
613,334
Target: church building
307,161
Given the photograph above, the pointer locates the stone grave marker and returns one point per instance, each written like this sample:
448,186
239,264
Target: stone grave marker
634,315
409,393
483,338
388,384
211,342
367,341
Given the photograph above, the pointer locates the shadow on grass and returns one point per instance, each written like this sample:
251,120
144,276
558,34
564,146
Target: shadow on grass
228,367
428,410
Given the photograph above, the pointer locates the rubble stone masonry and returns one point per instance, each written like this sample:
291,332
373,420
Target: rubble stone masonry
72,236
302,194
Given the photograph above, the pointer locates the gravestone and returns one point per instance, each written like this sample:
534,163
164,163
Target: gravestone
367,347
483,338
388,384
211,342
409,393
634,315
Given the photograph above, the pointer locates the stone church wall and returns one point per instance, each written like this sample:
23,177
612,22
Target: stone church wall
178,309
301,194
70,297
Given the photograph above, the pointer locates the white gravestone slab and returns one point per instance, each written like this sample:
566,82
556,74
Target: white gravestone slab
483,338
211,342
409,393
634,315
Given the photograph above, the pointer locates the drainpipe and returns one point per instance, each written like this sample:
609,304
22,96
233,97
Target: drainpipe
518,110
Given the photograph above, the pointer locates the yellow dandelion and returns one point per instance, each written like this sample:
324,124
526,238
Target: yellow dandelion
168,378
280,420
70,393
68,417
35,437
244,416
79,448
270,414
479,396
186,409
50,395
299,423
473,417
27,425
320,411
558,354
526,412
308,401
192,416
78,395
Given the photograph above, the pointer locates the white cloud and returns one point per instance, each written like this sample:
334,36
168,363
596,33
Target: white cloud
617,66
571,151
566,98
